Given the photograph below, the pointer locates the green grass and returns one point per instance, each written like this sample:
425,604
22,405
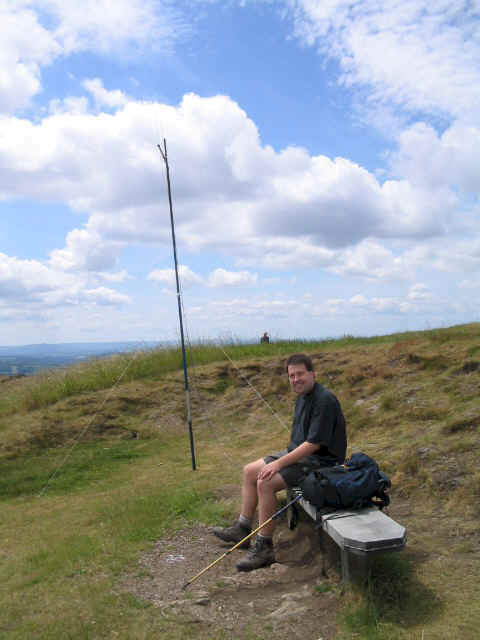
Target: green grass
65,550
323,588
71,468
394,602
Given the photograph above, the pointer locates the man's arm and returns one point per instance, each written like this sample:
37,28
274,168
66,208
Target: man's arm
303,450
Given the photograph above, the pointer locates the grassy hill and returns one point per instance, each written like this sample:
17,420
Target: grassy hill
95,470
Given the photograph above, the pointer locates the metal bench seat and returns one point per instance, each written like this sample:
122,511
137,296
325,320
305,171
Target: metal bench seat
362,532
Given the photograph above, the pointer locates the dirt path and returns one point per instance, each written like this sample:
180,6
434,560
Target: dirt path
291,598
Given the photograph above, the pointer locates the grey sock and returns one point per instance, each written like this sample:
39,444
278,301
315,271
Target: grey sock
265,539
245,522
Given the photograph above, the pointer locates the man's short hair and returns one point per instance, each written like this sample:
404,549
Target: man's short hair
300,358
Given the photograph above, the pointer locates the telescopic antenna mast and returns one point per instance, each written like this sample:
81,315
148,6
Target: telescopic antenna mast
184,358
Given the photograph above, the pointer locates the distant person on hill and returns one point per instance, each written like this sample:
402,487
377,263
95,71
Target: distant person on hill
265,337
318,439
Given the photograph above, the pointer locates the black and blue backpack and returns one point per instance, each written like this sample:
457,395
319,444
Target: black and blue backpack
355,484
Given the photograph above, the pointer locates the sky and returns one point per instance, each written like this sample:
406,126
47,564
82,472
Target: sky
324,158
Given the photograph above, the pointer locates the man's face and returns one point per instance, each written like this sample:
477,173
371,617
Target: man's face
301,380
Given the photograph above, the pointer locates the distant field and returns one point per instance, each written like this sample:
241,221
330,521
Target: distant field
27,366
33,358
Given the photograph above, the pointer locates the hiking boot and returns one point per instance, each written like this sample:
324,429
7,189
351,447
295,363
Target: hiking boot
235,533
260,555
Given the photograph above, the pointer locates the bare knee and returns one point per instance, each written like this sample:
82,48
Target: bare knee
265,487
270,486
252,469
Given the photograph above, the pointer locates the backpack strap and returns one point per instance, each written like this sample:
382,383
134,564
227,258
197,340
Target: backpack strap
380,500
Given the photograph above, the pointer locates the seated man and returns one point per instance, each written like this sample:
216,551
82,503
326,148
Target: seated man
318,439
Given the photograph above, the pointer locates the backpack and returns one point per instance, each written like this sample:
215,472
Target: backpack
356,484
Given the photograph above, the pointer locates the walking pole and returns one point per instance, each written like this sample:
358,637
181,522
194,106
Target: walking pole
275,515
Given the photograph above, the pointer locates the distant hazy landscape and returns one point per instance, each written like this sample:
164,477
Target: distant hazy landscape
31,358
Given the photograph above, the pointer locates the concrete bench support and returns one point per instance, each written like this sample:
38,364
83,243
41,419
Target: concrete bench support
363,532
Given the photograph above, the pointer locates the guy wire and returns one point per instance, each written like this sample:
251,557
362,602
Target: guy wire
193,379
219,346
251,385
86,428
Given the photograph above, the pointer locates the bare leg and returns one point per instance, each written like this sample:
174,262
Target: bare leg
268,505
262,553
249,487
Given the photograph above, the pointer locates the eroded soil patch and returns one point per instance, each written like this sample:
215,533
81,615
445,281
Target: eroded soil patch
291,599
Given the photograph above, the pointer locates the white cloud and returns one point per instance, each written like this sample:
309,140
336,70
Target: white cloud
217,278
224,278
103,25
292,207
388,305
85,250
21,279
73,106
417,300
103,97
33,33
167,276
435,160
469,284
359,300
293,211
247,307
420,292
103,295
369,259
119,276
459,256
253,205
25,45
333,307
30,282
413,59
286,253
419,55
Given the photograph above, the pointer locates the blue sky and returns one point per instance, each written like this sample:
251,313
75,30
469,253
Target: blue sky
325,159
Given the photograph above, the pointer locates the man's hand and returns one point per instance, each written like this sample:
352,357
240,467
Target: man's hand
269,470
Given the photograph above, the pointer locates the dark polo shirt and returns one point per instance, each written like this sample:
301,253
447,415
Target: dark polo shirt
318,419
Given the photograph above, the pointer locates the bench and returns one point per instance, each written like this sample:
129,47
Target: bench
363,533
